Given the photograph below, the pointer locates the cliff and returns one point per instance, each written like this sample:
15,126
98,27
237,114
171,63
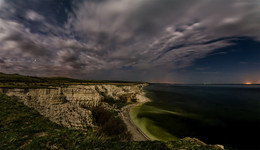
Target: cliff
70,105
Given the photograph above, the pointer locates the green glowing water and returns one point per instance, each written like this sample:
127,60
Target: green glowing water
222,114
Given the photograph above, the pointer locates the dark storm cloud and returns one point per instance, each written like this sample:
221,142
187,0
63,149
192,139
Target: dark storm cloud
2,61
93,38
27,45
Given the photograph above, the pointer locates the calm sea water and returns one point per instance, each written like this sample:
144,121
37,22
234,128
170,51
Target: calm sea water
216,114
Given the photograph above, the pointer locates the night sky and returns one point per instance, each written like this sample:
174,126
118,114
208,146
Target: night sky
176,41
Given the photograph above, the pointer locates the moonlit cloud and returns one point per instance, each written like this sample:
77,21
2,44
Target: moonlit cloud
119,39
34,16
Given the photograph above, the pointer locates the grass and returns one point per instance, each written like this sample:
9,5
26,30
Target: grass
23,127
20,81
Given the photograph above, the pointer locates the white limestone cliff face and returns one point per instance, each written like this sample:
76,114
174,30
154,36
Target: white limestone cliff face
64,105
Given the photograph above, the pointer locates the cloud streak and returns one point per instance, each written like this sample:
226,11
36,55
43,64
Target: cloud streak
100,37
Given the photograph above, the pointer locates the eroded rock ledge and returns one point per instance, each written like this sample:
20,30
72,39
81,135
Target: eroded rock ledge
70,106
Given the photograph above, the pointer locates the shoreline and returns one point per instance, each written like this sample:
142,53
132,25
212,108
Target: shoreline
135,131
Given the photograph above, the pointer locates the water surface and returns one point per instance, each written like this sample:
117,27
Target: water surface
216,114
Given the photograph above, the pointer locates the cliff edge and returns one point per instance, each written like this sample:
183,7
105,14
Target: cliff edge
71,105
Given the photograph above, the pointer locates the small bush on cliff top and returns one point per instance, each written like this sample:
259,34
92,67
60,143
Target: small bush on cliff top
110,125
111,101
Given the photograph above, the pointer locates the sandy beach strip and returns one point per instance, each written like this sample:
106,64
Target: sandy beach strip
137,134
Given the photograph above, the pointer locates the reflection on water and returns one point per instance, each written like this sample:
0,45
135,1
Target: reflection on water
216,114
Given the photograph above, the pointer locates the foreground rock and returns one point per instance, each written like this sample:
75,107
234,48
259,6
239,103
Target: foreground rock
70,106
192,144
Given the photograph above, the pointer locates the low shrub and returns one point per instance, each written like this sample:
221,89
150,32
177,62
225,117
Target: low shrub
111,101
110,125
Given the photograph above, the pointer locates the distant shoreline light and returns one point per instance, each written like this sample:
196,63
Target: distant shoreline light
244,83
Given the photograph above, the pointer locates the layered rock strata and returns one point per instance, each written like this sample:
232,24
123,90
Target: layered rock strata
70,106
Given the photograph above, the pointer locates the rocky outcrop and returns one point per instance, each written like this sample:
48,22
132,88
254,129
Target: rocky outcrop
70,106
192,143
